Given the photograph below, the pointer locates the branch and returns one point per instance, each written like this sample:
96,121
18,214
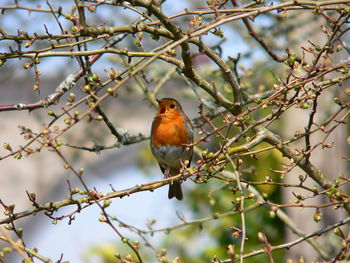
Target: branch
66,85
302,162
295,242
90,199
259,39
103,50
21,248
281,215
231,78
199,221
53,98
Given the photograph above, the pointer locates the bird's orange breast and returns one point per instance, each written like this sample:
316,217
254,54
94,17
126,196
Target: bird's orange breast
169,131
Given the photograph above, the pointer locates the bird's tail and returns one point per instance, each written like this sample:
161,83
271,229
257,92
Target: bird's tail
175,191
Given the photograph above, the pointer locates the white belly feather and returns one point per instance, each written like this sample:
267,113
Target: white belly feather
171,156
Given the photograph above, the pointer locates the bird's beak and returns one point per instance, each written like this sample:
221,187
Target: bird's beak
162,109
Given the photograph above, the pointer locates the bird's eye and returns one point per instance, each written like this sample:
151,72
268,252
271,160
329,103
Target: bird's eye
172,106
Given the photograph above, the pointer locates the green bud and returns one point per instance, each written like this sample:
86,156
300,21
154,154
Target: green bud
338,232
27,65
107,202
87,88
136,244
337,100
71,96
74,29
51,113
264,195
7,146
68,121
92,9
210,155
110,91
318,216
18,156
102,219
20,231
204,153
75,190
8,227
272,214
305,105
261,237
93,78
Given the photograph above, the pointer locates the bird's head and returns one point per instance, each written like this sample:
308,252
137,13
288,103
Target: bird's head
168,107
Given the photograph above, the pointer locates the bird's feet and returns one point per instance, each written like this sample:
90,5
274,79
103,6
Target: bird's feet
167,175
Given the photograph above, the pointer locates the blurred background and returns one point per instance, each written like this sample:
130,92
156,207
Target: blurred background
85,239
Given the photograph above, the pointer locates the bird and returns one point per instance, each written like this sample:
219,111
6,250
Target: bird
172,142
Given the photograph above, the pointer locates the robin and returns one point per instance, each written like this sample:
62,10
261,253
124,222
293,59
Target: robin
171,136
